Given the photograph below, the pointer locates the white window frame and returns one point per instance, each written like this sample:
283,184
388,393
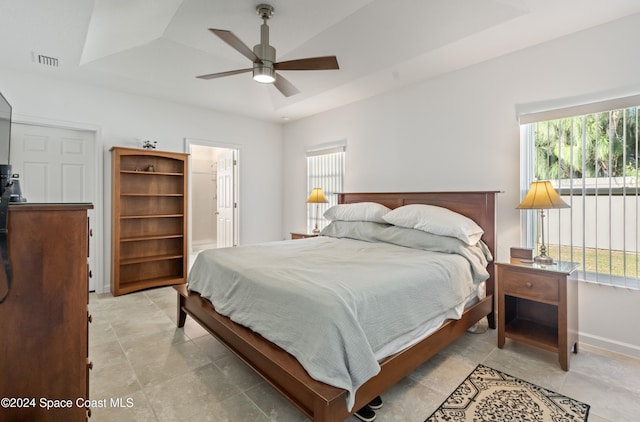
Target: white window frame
326,170
529,221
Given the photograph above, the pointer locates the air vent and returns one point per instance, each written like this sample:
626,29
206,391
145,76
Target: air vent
45,60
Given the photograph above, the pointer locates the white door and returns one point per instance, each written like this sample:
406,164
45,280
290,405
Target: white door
55,165
226,198
203,199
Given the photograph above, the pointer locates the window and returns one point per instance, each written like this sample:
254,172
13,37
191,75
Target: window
591,159
325,169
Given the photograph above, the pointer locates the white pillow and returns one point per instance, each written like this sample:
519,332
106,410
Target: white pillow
359,211
436,220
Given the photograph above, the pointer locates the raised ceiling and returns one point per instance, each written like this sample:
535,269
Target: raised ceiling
156,48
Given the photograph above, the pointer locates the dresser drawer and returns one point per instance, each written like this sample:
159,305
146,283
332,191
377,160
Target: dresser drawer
530,286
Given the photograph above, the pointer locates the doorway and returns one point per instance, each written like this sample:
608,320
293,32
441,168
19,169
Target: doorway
213,196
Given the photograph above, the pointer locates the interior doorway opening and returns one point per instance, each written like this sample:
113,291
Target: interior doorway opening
213,196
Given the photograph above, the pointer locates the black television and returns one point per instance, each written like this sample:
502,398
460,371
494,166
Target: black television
5,178
5,129
6,175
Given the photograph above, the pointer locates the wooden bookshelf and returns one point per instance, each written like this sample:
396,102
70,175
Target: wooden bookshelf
149,219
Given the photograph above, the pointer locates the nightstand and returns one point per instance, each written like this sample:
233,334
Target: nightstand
295,236
538,305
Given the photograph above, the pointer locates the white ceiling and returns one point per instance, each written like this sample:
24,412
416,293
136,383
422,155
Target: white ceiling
157,47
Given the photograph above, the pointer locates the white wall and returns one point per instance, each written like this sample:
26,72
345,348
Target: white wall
460,132
124,120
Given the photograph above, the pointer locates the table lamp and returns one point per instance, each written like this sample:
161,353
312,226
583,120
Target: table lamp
316,197
542,196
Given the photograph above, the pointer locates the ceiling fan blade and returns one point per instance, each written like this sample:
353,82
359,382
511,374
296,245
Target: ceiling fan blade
235,42
284,86
312,63
221,74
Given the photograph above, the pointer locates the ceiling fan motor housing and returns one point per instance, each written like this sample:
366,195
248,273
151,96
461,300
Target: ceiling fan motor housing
264,72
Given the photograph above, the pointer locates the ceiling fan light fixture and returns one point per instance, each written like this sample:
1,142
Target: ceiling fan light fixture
264,74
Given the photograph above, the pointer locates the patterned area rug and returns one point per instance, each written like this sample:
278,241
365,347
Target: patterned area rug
490,395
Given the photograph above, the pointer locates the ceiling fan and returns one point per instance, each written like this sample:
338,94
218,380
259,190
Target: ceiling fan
263,57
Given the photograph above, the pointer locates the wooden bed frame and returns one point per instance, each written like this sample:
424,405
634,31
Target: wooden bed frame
322,402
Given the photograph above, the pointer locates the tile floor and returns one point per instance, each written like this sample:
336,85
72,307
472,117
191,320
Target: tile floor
163,373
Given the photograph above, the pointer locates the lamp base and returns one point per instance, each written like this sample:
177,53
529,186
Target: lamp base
543,259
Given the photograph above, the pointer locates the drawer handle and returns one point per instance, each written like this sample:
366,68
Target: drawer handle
528,284
90,365
90,318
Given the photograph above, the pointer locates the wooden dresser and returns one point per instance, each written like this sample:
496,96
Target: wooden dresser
44,321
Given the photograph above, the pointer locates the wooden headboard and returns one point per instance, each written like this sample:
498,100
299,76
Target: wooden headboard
480,206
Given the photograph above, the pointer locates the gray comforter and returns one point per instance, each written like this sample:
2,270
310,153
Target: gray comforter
334,300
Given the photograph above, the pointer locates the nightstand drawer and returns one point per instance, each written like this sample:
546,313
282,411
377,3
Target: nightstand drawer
530,286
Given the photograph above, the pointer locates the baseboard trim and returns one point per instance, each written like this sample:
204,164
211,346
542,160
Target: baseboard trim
610,345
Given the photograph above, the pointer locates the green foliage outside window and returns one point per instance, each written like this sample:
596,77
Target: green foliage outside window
595,145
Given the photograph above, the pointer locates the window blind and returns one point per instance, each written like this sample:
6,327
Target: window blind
325,169
591,159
